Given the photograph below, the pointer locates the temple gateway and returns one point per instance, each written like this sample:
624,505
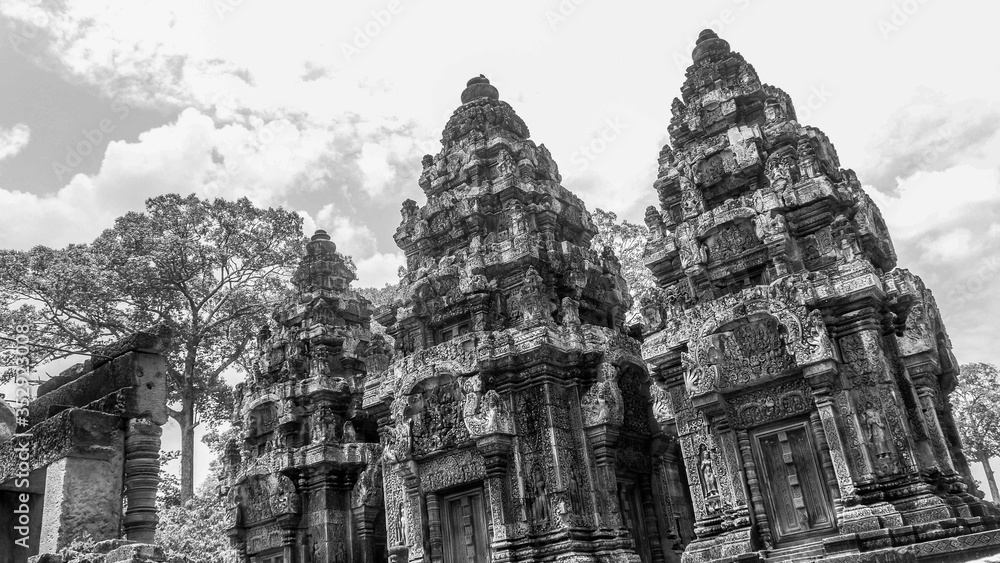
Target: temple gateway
784,399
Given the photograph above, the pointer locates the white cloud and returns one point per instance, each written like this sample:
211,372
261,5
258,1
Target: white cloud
944,227
13,139
351,238
951,246
927,201
377,172
379,269
267,162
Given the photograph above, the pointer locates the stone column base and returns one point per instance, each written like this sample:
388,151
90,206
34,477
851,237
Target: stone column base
735,544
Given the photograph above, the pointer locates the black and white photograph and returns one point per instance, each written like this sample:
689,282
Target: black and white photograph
535,281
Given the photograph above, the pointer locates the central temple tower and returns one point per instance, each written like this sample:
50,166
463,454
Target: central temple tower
515,413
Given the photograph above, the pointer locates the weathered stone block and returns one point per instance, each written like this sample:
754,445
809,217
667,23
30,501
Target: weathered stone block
82,496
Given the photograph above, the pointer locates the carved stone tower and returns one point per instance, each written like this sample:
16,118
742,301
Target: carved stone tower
808,378
304,479
515,413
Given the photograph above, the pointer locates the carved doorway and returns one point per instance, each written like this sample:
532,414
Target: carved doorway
796,498
464,524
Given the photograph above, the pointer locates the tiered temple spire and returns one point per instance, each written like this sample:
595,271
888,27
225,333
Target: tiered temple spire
304,478
516,409
808,378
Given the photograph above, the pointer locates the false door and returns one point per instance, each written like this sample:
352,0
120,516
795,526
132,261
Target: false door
796,498
464,527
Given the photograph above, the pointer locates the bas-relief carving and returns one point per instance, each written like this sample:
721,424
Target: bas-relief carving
764,251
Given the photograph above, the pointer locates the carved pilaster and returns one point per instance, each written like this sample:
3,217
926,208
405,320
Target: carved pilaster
756,496
434,527
142,477
602,438
649,515
496,450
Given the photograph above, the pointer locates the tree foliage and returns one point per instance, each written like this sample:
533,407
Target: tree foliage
628,241
198,527
209,270
974,407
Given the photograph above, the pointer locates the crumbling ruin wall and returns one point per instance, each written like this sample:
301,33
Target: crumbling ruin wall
88,461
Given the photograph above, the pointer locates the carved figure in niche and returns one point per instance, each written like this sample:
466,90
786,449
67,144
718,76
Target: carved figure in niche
654,222
624,504
770,226
540,506
602,403
691,251
570,311
505,165
692,203
235,514
875,427
807,159
402,523
779,171
350,435
575,497
650,310
706,468
339,552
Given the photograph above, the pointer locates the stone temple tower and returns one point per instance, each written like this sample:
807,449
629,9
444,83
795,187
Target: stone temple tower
304,482
515,413
808,377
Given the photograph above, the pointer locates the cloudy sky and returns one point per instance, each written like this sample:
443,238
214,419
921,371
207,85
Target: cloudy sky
326,108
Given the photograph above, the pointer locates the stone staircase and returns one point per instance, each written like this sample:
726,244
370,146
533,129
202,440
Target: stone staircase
807,552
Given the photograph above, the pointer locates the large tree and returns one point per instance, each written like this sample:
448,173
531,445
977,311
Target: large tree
209,270
628,240
974,406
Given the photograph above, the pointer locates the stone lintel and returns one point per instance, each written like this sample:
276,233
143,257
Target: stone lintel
156,340
141,374
71,433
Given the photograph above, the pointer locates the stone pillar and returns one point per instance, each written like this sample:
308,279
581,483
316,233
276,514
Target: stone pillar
142,477
666,522
411,512
816,425
83,488
328,514
756,496
434,527
364,522
738,516
649,515
602,438
496,450
964,504
852,516
82,495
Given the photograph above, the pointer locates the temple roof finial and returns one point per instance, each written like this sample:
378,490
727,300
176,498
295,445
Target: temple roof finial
479,87
709,44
